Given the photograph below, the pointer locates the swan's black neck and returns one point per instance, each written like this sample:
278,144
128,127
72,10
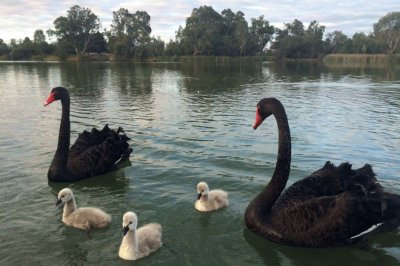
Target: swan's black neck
282,168
261,205
58,166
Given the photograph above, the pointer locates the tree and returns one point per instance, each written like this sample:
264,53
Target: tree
39,37
241,32
77,28
261,33
289,42
360,43
313,39
296,28
4,49
338,42
229,40
387,30
202,31
23,50
39,42
129,32
98,44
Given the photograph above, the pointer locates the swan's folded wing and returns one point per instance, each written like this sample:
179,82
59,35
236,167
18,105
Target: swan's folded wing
96,137
331,220
328,181
97,159
149,237
97,152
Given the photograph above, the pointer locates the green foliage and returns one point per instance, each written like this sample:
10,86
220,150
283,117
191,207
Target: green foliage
338,42
41,47
130,33
24,50
296,42
387,31
98,44
4,49
208,33
261,33
202,31
77,28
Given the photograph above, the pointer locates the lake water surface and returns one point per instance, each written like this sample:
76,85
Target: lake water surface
188,123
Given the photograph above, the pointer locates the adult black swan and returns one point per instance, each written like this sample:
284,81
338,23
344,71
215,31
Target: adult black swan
93,153
334,206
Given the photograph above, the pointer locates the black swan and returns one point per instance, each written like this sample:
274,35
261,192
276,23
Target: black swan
334,206
93,153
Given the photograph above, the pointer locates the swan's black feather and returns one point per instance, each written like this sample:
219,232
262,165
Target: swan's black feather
93,153
331,207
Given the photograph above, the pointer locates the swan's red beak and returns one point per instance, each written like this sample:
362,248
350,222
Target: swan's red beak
259,119
50,99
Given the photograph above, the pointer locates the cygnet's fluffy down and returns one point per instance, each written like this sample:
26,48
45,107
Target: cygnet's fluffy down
210,200
138,243
82,218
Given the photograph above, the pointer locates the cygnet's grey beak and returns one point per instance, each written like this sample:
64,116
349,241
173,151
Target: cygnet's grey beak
125,230
199,195
58,202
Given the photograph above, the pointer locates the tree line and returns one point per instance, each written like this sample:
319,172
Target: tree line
206,32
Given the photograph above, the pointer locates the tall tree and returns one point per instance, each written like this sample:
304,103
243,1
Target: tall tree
4,49
203,31
23,50
129,31
241,32
229,38
98,44
338,42
39,37
77,28
313,38
39,42
289,42
387,29
261,33
360,43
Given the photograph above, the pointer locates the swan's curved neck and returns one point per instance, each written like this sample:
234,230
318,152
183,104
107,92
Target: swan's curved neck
130,240
61,155
69,207
263,202
282,168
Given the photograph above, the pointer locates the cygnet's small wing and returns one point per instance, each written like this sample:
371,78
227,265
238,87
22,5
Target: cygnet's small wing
149,238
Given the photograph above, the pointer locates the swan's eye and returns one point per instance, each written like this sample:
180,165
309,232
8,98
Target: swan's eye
62,196
130,222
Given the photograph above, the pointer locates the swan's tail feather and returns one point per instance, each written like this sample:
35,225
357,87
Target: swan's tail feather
375,230
349,178
376,212
99,151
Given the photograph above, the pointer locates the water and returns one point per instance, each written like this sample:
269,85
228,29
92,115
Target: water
188,123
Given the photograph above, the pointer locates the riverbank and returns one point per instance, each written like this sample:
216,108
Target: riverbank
160,59
361,60
331,60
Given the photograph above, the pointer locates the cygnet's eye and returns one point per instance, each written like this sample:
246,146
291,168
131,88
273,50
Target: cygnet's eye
130,222
62,196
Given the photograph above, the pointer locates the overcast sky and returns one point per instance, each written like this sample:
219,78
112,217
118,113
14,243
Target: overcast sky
20,18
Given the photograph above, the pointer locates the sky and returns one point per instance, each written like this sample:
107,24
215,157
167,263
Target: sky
20,18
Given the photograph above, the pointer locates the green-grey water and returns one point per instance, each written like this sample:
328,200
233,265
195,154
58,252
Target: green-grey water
188,123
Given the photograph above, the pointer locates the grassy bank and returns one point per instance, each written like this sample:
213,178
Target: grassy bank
108,57
361,60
